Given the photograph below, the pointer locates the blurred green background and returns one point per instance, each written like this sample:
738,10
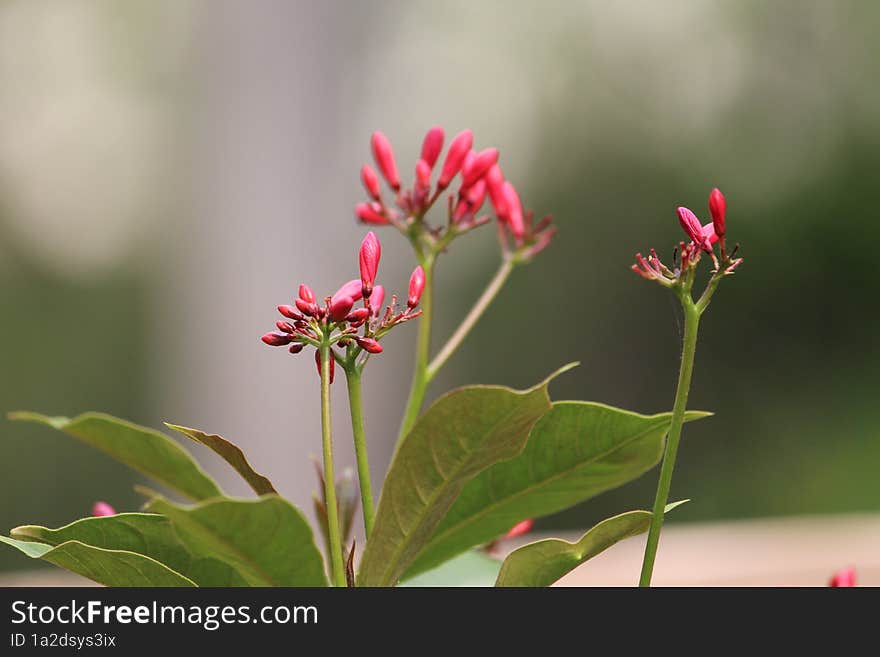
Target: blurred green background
169,170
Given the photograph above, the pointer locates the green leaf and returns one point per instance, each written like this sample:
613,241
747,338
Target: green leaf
460,435
544,562
108,567
147,451
473,568
150,535
575,451
230,453
267,541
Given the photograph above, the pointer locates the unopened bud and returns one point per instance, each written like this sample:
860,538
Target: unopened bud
717,208
307,308
370,181
843,578
367,213
369,256
100,509
432,145
416,287
290,312
458,149
377,299
276,339
513,208
286,327
690,224
351,289
306,294
476,167
520,528
340,307
384,156
370,345
359,314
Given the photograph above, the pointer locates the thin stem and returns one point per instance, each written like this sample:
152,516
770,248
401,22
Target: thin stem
473,316
420,378
706,297
691,324
337,569
353,379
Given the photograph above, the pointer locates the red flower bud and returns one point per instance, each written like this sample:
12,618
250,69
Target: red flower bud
476,167
289,312
351,289
717,208
709,234
102,509
307,308
370,345
458,149
360,314
416,287
295,347
520,528
306,294
370,253
370,215
377,299
340,307
371,182
691,225
513,209
423,174
384,157
843,578
495,185
476,194
286,327
277,339
332,364
432,145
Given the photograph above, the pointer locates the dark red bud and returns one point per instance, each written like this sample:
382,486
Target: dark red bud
287,327
306,307
432,146
276,339
340,307
416,287
370,345
360,314
306,294
371,182
295,347
717,208
290,312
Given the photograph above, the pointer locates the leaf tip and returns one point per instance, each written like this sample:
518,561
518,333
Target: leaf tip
669,507
562,370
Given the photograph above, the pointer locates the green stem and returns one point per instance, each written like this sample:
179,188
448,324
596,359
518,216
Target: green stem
691,324
423,346
353,379
473,316
337,569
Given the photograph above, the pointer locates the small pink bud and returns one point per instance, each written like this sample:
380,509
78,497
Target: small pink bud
423,174
843,578
432,145
340,307
476,194
295,347
416,287
276,339
351,289
101,509
709,234
306,308
370,253
717,208
369,215
306,294
458,149
332,364
691,225
370,345
371,182
384,156
495,185
520,528
476,167
513,208
377,299
290,312
360,314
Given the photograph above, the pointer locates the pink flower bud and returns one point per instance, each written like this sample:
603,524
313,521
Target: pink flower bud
306,308
283,326
717,208
458,149
691,225
360,314
371,182
340,306
384,157
369,345
370,253
295,347
520,528
351,289
369,215
290,312
332,364
843,578
416,287
476,167
432,145
709,234
277,339
377,299
423,174
101,509
476,194
306,294
513,209
495,185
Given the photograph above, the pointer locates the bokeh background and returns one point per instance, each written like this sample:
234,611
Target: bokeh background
170,170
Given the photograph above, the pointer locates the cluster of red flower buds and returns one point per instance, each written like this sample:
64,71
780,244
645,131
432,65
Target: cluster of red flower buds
480,177
703,240
843,578
338,321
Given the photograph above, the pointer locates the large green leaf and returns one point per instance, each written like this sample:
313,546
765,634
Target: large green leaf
472,568
232,454
108,567
150,535
460,435
575,451
267,541
149,452
544,562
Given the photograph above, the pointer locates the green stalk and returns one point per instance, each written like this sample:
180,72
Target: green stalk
337,569
423,352
691,324
353,379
